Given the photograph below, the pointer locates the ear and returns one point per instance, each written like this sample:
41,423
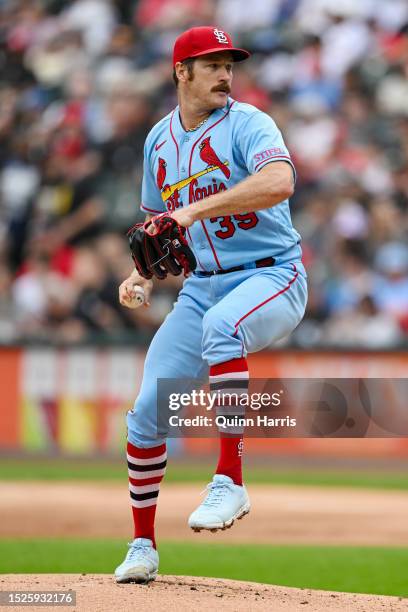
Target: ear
181,72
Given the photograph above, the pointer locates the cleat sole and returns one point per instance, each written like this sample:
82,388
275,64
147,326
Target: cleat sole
137,579
228,525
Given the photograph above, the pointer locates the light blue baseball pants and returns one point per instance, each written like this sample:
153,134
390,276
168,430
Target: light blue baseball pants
215,319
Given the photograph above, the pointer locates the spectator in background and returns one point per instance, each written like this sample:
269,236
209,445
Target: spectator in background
95,19
67,210
390,291
41,296
122,154
243,16
346,39
9,324
162,15
364,327
52,60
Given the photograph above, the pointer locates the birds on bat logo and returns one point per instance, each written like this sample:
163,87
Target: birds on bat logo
210,157
171,193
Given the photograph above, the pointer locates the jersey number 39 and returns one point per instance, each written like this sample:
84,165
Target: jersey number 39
229,224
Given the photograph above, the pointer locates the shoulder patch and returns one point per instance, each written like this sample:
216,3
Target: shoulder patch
268,153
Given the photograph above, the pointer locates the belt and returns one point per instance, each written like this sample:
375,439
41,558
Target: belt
267,262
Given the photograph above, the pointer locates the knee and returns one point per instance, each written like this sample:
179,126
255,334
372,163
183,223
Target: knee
220,341
216,323
143,429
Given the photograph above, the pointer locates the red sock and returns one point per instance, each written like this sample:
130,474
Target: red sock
146,468
230,377
230,458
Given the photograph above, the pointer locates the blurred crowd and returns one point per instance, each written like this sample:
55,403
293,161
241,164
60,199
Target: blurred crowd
83,81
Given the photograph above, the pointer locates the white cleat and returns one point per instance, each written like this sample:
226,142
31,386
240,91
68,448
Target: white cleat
224,503
141,563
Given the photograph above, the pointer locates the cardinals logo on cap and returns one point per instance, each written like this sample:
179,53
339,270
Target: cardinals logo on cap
220,36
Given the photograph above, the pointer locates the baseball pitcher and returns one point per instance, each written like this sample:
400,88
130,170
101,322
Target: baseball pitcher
217,178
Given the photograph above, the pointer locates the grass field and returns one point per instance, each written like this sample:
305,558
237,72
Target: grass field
375,570
358,570
58,470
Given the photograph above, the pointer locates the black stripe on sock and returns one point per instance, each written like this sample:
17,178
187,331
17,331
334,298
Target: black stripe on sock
142,496
146,468
230,384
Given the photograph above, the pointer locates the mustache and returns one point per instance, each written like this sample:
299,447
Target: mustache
224,88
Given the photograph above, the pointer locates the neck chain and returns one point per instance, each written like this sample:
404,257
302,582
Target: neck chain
193,129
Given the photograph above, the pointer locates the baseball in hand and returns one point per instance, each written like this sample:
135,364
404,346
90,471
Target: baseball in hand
139,297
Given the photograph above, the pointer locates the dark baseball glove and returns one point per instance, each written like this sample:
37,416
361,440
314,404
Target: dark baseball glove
165,251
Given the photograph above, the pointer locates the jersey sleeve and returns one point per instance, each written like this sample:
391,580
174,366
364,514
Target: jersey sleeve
261,143
151,201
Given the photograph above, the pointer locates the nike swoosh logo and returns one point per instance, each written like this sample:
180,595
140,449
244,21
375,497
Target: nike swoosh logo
159,146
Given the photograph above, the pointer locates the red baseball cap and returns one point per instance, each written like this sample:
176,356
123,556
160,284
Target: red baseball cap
203,40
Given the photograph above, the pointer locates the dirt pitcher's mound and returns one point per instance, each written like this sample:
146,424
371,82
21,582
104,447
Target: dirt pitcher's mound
97,593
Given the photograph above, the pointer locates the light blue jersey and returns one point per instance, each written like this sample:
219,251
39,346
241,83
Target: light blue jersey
218,318
250,286
183,167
